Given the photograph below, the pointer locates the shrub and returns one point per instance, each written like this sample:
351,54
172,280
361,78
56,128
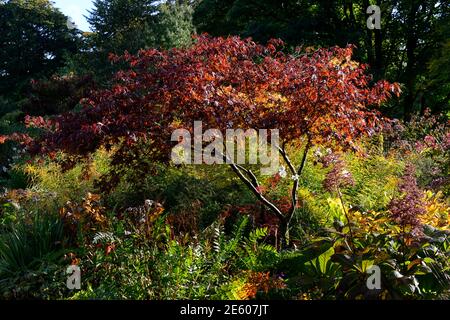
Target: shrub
6,106
31,253
425,142
48,178
193,196
328,268
376,178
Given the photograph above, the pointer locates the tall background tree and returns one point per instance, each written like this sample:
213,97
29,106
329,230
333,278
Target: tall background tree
130,25
120,25
39,44
175,27
34,42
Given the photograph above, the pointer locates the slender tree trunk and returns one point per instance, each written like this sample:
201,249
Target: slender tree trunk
284,223
250,180
283,233
368,39
410,71
378,63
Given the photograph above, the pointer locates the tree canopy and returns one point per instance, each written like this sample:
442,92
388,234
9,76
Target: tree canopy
130,25
34,43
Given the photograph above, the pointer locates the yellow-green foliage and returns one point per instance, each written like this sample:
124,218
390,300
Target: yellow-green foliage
48,180
310,201
376,179
437,210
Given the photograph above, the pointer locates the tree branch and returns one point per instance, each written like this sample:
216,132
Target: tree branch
258,194
287,160
297,174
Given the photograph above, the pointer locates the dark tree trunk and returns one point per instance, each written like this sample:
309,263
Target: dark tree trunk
378,64
368,39
410,71
283,234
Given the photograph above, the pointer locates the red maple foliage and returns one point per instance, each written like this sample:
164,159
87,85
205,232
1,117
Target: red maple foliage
320,97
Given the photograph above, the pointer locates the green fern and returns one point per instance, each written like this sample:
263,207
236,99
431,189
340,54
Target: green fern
258,255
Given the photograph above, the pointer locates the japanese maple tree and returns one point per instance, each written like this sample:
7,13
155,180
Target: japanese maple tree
312,97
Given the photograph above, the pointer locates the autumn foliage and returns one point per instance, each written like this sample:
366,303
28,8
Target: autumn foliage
226,83
313,97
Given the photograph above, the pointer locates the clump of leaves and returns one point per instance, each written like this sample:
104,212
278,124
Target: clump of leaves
85,218
437,210
179,266
31,253
409,206
425,140
329,268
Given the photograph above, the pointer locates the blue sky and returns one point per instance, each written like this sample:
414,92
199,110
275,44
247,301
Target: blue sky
76,9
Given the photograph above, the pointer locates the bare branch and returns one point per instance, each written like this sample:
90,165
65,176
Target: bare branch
258,194
287,160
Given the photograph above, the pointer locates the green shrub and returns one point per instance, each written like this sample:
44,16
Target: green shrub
28,242
336,266
57,186
31,252
6,106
